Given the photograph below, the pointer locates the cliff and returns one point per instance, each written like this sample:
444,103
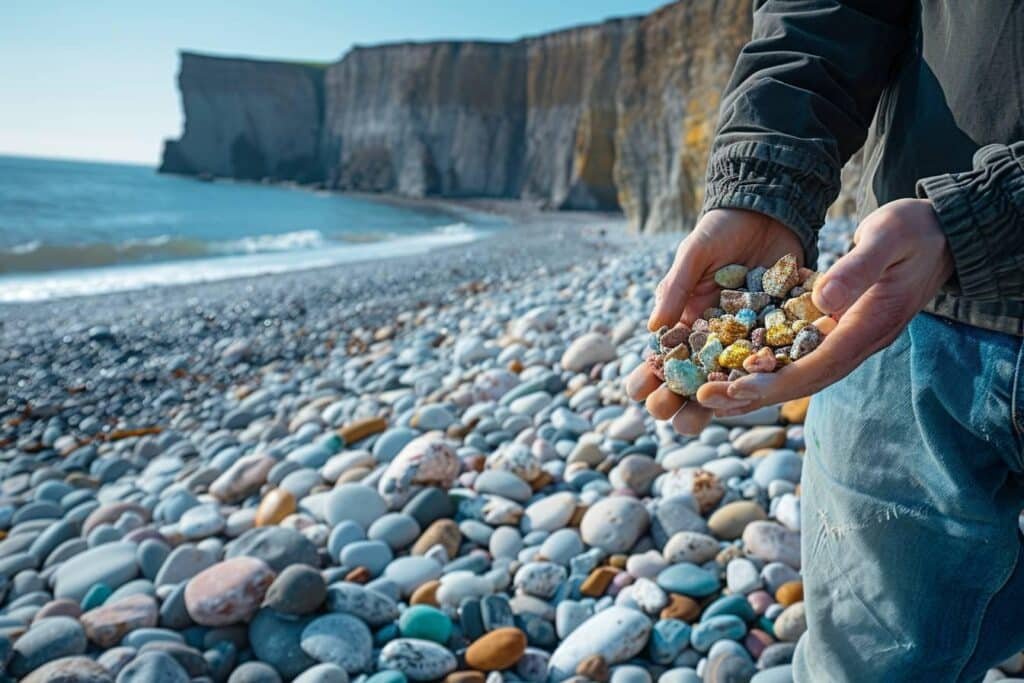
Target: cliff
248,119
612,115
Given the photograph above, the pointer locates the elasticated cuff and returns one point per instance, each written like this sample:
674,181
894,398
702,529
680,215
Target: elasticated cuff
791,185
981,213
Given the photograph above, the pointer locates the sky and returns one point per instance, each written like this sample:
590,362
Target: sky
97,80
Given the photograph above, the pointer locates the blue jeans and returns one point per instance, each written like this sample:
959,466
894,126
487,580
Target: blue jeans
912,486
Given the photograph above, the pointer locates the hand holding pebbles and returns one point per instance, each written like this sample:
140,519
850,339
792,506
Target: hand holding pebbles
752,330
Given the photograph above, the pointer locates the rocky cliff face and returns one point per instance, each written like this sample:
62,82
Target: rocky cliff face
248,119
427,119
613,115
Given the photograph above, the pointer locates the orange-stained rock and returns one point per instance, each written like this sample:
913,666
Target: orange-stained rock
359,575
597,582
274,507
795,411
444,532
681,607
229,592
107,624
362,428
790,592
594,668
497,650
618,561
465,677
577,515
426,594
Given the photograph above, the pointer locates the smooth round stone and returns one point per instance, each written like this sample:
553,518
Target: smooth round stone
397,529
323,673
434,416
430,505
629,673
425,623
387,676
693,454
96,596
70,670
340,639
279,547
275,640
635,472
420,660
722,627
151,555
47,640
153,667
669,637
182,564
728,667
412,572
562,546
112,564
201,521
729,521
646,565
736,605
141,636
549,513
373,555
741,576
343,534
775,574
675,514
787,511
106,625
565,420
614,524
503,483
541,579
714,435
772,542
505,542
587,350
476,531
391,442
496,650
690,546
726,468
688,579
275,507
373,607
229,592
356,502
254,672
781,464
618,633
299,589
792,623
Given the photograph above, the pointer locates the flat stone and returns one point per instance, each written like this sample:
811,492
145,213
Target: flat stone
420,660
497,650
299,589
690,546
47,640
772,542
614,524
279,547
688,579
275,640
587,350
112,564
729,521
70,670
355,502
617,633
107,624
229,592
376,609
340,639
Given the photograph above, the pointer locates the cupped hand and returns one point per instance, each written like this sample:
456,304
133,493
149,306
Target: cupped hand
899,261
721,237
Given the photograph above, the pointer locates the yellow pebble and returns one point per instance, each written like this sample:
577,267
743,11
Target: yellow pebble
734,355
779,335
799,325
728,329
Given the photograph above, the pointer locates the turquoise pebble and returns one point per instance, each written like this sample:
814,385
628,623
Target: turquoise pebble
669,637
426,623
723,627
747,316
683,377
387,677
96,596
766,625
385,635
688,579
737,605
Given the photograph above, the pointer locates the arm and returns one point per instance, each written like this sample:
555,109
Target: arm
981,213
798,105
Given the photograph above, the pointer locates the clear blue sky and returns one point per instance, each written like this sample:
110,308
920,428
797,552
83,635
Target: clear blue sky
96,79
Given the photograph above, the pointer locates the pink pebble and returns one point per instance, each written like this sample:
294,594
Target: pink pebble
756,641
621,580
760,601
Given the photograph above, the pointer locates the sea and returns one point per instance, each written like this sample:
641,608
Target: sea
69,228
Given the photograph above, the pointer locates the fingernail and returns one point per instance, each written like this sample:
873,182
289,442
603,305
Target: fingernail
833,294
743,393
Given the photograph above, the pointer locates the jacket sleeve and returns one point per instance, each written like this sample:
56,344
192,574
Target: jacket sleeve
982,213
799,104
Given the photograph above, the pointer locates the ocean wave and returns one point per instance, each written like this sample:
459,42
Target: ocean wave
38,256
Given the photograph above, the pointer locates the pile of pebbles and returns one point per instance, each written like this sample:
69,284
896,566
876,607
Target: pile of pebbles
765,320
462,494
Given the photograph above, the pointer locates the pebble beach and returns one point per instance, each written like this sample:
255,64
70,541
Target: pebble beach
417,469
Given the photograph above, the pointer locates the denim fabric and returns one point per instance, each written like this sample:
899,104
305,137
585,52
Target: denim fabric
910,499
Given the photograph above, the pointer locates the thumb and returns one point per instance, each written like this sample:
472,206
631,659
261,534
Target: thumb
853,274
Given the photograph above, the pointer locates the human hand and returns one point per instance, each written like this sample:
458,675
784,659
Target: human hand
721,237
899,262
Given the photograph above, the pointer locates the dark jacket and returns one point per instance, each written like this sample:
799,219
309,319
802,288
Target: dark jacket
934,87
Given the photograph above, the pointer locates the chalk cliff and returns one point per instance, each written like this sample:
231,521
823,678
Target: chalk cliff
612,115
248,119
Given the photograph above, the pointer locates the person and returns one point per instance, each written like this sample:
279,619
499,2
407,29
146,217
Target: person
911,487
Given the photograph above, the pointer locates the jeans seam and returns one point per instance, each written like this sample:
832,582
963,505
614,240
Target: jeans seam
976,630
1015,407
